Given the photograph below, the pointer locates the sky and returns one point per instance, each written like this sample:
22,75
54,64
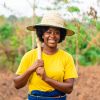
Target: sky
23,7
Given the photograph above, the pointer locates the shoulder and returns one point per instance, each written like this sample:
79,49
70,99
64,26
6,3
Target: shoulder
31,53
64,53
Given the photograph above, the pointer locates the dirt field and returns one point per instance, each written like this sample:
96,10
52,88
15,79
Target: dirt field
87,86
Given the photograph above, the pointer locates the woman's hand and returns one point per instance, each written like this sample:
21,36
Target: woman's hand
37,63
21,80
41,72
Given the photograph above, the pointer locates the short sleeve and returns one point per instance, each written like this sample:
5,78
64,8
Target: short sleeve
70,69
24,64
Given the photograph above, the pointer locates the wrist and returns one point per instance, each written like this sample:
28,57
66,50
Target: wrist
32,69
45,78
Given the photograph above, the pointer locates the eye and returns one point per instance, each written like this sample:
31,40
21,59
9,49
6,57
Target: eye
49,32
54,32
57,32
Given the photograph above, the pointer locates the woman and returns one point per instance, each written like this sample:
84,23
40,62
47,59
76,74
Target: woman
51,77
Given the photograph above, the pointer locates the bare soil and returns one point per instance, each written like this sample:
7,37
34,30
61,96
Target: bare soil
87,86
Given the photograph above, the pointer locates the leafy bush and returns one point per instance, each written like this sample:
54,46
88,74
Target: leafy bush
87,55
73,9
90,57
98,25
28,42
6,31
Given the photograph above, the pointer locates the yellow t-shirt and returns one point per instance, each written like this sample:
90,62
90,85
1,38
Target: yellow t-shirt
59,66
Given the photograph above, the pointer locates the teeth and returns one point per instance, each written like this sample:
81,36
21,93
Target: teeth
52,41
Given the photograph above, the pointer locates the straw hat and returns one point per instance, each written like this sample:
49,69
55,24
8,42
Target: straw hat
53,19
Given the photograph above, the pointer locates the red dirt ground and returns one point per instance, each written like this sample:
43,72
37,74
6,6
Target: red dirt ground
87,86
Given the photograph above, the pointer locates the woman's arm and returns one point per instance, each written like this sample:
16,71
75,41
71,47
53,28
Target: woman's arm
21,80
66,86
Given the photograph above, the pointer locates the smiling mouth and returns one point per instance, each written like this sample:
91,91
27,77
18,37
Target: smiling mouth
52,41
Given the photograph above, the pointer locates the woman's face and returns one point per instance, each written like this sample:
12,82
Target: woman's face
51,37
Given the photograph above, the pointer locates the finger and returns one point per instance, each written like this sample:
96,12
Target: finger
38,71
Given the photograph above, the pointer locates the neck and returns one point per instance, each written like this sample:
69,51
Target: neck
49,50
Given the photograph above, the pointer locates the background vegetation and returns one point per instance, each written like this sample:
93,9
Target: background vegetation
15,40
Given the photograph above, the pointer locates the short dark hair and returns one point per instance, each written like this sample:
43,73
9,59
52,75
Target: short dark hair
42,29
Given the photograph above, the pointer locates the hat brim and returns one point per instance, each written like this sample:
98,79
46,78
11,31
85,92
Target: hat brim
33,28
